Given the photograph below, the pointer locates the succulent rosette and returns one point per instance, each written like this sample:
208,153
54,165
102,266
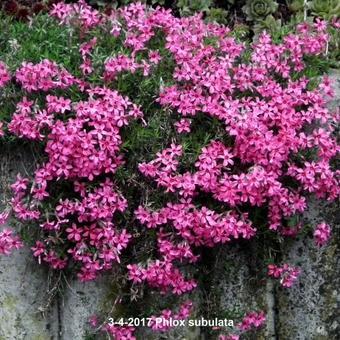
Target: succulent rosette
257,10
327,9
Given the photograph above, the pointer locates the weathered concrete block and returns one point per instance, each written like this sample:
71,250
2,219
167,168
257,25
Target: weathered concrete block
309,310
78,303
22,293
23,283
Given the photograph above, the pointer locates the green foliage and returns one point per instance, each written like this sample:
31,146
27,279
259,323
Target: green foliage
189,7
257,10
218,15
326,9
270,24
241,31
44,39
20,42
295,5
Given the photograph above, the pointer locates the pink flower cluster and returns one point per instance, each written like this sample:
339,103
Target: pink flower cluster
250,321
77,14
94,242
9,242
162,322
163,274
28,122
23,207
122,63
120,332
228,337
85,50
44,76
266,131
322,233
79,149
287,274
118,64
198,226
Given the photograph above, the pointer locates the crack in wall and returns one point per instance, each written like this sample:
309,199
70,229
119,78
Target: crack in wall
59,311
271,317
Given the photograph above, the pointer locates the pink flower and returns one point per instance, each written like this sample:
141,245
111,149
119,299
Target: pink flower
57,104
154,57
43,76
183,125
86,47
93,321
252,319
86,67
8,242
322,234
287,274
74,233
20,185
336,23
4,216
274,271
120,332
320,25
228,337
2,133
136,274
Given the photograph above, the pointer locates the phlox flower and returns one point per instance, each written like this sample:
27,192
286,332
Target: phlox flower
9,242
2,133
287,274
322,234
154,57
183,125
252,320
228,337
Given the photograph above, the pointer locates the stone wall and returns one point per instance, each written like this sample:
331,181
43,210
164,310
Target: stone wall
308,311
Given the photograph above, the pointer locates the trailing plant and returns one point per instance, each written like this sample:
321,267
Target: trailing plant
163,136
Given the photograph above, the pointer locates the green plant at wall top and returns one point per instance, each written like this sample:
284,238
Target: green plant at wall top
326,9
257,10
270,24
189,7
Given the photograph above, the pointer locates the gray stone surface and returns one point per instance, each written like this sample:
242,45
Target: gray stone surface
23,284
240,286
310,309
22,292
79,302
